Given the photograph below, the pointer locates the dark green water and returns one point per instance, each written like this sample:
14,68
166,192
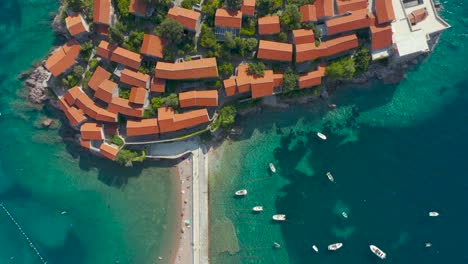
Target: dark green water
396,152
113,213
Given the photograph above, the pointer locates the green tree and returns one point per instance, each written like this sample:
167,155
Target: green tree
300,2
283,37
343,68
117,140
79,5
93,63
78,71
291,17
86,48
251,44
126,157
188,3
256,68
115,35
171,100
209,9
207,37
122,7
157,102
362,59
290,79
229,40
226,69
227,116
267,7
134,41
233,4
171,30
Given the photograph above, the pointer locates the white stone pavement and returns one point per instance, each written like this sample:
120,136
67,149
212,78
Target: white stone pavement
200,207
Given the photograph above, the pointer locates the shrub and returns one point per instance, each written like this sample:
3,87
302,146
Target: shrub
233,4
126,157
93,63
362,59
124,93
248,28
291,17
227,116
157,102
256,68
226,69
171,30
189,3
122,7
78,71
290,79
343,68
117,140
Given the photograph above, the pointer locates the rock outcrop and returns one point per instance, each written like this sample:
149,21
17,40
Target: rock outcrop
37,85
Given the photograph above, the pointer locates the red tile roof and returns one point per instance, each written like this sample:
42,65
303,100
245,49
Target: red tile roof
358,19
324,8
109,151
313,78
248,7
122,106
243,79
152,46
102,11
98,77
228,18
138,95
85,103
91,131
278,51
417,16
63,59
384,11
308,51
188,18
158,85
308,13
134,78
73,114
85,143
259,85
262,86
72,94
106,91
350,5
195,69
119,55
302,36
142,127
138,8
230,86
381,36
102,29
277,79
268,25
76,24
198,98
168,121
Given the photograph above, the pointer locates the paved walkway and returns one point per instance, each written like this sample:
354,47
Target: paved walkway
200,207
172,150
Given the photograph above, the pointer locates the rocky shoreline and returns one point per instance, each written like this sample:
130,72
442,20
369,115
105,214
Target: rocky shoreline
36,83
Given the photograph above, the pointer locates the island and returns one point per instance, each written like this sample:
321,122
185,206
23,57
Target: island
141,79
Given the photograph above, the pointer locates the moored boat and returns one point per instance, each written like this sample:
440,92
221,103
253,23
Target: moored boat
335,246
315,248
344,214
428,244
242,192
272,168
378,252
279,217
330,177
433,214
276,245
257,208
321,136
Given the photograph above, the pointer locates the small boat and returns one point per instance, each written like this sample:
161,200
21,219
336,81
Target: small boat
379,253
428,245
344,214
321,136
279,217
433,214
332,106
335,246
272,168
63,212
242,192
330,177
257,208
315,248
276,245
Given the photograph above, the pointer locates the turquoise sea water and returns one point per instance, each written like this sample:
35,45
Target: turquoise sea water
113,213
396,153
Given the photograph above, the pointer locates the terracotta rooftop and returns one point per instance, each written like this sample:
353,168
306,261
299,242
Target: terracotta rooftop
168,121
119,55
195,69
384,11
321,8
302,36
248,7
262,86
85,143
358,19
308,13
312,78
278,51
98,77
76,24
308,51
122,106
102,29
188,18
350,5
230,86
102,12
138,8
106,91
142,127
134,78
268,25
243,79
72,94
91,131
109,151
228,18
88,106
278,79
152,46
138,95
381,36
417,16
158,85
73,114
198,98
63,59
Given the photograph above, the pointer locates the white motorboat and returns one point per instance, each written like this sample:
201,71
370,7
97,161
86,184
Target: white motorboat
63,212
242,192
433,214
330,177
335,246
272,168
257,208
378,252
321,136
315,248
428,244
279,217
276,245
344,214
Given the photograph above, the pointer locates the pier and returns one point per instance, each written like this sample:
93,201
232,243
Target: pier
33,247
